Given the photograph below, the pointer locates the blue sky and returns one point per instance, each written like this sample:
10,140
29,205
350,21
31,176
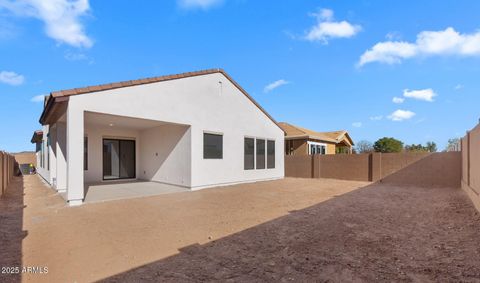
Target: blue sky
323,65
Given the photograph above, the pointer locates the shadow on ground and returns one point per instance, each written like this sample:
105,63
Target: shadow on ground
382,232
11,230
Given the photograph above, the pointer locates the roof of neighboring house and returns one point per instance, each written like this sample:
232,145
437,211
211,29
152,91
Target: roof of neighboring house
62,95
296,132
37,136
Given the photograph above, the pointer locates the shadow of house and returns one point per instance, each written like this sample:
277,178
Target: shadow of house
11,230
386,231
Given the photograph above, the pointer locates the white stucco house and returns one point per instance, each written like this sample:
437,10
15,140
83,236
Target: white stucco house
195,130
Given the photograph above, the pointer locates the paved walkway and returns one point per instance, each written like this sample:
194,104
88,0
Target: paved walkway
100,192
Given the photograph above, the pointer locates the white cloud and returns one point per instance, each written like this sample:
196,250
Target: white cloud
38,98
11,78
70,56
428,43
202,4
398,100
376,118
393,35
423,94
275,85
326,28
357,124
400,115
61,18
459,87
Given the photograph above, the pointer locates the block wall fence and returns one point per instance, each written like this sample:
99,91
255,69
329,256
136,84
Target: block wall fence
7,169
470,147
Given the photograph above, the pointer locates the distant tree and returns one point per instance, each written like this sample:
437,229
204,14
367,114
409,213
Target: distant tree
415,148
386,145
431,146
364,146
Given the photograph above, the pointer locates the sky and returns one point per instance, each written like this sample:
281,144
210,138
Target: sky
403,69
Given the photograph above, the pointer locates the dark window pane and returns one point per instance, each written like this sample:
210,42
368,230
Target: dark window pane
260,154
127,159
270,154
249,153
212,146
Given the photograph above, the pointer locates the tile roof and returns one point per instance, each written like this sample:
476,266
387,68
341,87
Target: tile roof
293,131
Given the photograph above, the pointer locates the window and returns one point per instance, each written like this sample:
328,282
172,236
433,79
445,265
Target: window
260,154
85,153
289,150
119,161
270,154
249,154
212,146
316,148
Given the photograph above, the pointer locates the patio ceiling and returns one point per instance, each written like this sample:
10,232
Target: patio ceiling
106,120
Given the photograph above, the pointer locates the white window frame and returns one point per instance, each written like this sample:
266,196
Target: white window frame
310,143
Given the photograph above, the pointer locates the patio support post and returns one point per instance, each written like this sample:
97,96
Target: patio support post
61,153
75,130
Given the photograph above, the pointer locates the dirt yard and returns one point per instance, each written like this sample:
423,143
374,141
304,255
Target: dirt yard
291,229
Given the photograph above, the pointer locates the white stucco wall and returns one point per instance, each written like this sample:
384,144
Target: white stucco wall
165,154
208,103
43,170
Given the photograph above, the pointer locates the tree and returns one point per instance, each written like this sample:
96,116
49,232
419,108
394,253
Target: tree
364,146
386,145
431,146
415,148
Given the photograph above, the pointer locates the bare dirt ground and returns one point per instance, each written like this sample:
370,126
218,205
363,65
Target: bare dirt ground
291,229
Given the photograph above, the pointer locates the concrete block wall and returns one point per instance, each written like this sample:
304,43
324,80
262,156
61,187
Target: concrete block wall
416,169
7,168
470,146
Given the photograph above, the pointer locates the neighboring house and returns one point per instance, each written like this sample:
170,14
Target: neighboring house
194,130
301,141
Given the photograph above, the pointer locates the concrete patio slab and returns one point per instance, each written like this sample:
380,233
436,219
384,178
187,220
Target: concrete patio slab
101,192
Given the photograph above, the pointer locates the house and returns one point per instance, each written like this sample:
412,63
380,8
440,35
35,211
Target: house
195,130
301,141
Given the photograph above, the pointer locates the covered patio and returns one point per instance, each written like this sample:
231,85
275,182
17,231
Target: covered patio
101,191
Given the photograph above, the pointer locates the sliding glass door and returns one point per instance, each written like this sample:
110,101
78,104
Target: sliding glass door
118,159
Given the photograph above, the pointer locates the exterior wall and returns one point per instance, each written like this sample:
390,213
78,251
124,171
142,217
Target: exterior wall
165,154
471,165
95,135
42,168
331,148
201,102
299,146
415,169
